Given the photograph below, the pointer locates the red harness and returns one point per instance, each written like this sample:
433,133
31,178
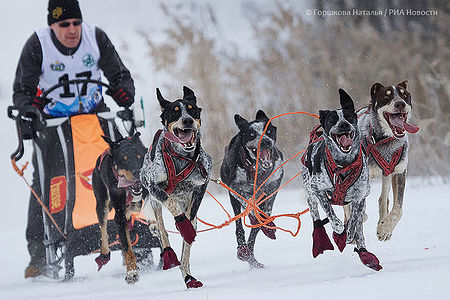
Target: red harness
340,181
336,173
174,178
371,149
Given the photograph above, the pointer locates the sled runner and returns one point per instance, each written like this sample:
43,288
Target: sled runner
66,150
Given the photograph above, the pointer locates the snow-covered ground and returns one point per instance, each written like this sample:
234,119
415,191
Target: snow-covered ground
416,262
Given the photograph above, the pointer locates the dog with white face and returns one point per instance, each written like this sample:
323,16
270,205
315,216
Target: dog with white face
384,125
176,172
335,172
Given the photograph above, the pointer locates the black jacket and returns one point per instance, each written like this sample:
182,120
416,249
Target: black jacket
29,67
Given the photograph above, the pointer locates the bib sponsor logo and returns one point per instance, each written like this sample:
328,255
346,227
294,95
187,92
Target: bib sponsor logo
88,60
57,66
58,187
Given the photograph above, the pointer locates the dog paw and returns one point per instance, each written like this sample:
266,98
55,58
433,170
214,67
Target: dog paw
185,228
244,253
132,277
269,232
321,241
191,282
386,227
102,260
340,240
169,258
369,259
254,264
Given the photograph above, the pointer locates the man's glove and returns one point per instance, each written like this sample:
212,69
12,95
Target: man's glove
122,96
39,102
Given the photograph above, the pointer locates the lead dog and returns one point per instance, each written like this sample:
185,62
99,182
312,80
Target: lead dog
176,172
238,172
335,172
383,125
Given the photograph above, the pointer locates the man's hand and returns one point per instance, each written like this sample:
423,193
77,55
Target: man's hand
122,96
39,102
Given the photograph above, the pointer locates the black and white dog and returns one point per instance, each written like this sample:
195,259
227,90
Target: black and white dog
335,172
238,172
176,172
383,126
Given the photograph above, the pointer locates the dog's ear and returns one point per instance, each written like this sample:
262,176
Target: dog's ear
404,84
162,102
375,88
346,100
109,141
188,94
322,116
240,122
260,115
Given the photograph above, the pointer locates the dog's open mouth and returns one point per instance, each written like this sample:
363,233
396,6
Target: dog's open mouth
344,140
186,137
398,124
265,157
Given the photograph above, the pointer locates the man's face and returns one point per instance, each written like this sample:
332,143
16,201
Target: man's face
68,32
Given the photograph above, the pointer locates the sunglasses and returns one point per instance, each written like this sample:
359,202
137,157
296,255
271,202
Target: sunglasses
67,24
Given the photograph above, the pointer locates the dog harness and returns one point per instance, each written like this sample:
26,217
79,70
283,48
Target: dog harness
341,177
340,181
371,145
174,178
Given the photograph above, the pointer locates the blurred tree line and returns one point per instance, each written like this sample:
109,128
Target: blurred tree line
300,66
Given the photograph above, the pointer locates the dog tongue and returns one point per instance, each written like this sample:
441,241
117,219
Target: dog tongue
184,135
123,182
402,125
411,128
345,141
264,154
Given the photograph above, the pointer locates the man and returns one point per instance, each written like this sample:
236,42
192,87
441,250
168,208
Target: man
67,49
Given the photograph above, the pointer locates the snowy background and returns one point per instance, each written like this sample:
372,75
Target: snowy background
416,262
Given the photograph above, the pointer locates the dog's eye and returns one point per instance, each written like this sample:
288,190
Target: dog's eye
125,158
388,92
176,108
189,106
252,134
402,91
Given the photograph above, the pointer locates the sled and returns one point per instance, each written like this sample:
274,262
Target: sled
66,150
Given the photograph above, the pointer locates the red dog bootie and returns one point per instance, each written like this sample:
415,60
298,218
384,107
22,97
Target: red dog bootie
102,260
369,259
340,239
244,253
185,228
191,282
269,232
169,258
321,241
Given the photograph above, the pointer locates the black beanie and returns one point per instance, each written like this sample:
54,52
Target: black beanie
59,10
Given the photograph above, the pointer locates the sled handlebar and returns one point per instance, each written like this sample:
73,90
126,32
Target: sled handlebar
73,81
